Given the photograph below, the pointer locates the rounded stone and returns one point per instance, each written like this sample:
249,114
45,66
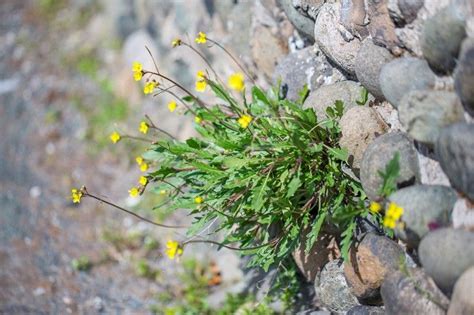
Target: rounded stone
445,254
379,153
360,125
425,113
369,263
346,91
425,207
462,302
332,289
464,75
455,151
306,66
411,291
310,264
368,63
441,39
403,75
338,44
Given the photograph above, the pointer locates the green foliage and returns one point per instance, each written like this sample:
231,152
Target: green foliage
82,263
390,175
364,97
267,183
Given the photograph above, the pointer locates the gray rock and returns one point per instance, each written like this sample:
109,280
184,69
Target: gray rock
442,37
310,8
334,40
425,207
267,49
346,91
463,214
360,125
370,262
307,66
445,254
462,302
332,289
403,75
412,292
303,24
366,310
425,113
377,156
353,17
381,26
455,151
368,63
409,9
464,75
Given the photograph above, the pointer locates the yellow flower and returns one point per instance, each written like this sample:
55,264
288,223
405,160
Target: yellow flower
139,160
375,207
394,211
172,249
143,180
176,42
200,86
149,87
115,137
198,200
172,106
389,222
162,192
244,121
236,81
200,75
197,119
201,38
134,192
144,167
137,69
143,127
76,195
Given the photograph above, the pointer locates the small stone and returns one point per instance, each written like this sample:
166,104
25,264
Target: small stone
425,207
360,125
346,91
334,40
445,254
425,113
441,39
310,8
463,215
303,24
324,249
464,75
307,66
462,302
368,64
332,289
381,26
412,292
370,262
366,310
455,151
403,75
377,156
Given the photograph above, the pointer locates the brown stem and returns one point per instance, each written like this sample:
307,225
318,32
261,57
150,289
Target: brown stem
86,193
136,138
152,125
229,247
205,60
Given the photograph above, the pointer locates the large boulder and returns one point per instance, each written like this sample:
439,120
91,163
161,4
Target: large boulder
462,302
464,75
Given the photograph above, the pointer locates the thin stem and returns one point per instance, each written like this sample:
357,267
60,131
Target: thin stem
152,58
205,60
167,90
86,193
227,246
137,138
233,59
152,125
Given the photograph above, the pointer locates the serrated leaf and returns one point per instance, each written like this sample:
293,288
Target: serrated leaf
313,234
339,153
293,186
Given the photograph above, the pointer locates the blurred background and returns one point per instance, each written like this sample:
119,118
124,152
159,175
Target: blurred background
65,84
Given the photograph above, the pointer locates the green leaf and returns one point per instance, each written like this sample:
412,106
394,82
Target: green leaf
188,99
339,153
339,106
293,186
364,96
313,234
193,143
347,241
390,176
303,94
206,168
259,96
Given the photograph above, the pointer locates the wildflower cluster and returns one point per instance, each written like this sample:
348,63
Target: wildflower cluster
173,249
392,215
76,195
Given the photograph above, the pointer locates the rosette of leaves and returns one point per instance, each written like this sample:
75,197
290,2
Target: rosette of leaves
262,185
